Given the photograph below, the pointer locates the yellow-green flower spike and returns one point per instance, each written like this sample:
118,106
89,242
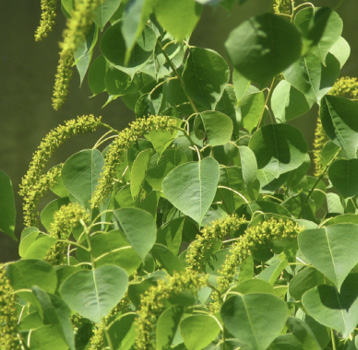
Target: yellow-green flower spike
152,303
121,144
8,320
97,339
64,221
320,138
77,27
345,87
283,7
216,230
254,236
48,16
34,184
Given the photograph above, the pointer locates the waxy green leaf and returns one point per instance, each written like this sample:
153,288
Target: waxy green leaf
191,187
343,175
254,319
331,250
94,293
263,46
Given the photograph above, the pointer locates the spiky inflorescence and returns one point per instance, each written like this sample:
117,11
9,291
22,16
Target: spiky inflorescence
343,87
77,28
48,16
153,301
34,184
282,7
97,339
8,321
216,230
254,236
64,221
121,144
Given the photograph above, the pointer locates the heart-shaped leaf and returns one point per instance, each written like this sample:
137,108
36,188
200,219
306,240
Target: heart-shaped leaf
191,187
199,331
337,310
332,250
263,46
94,293
81,172
254,319
139,228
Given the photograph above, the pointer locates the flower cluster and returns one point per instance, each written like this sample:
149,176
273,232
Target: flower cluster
97,339
48,15
254,236
77,28
154,299
64,221
34,184
121,144
216,230
345,87
8,321
283,7
320,138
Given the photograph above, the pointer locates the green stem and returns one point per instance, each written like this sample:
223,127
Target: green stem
267,101
333,340
109,341
181,81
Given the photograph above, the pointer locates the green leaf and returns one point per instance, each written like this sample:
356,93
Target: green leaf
313,79
332,250
288,103
80,174
138,171
94,293
104,12
179,18
7,206
24,274
113,249
263,46
113,48
337,310
218,127
205,76
167,330
191,187
279,148
35,245
254,319
122,332
253,286
305,280
48,337
135,16
321,28
241,85
199,331
56,312
252,108
166,258
339,120
116,81
161,139
343,175
96,75
84,50
170,234
341,51
139,228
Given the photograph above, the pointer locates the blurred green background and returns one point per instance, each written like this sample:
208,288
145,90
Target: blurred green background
27,73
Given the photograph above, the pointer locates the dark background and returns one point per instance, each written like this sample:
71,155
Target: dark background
27,73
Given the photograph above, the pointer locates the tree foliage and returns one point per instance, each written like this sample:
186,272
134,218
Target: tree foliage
202,225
